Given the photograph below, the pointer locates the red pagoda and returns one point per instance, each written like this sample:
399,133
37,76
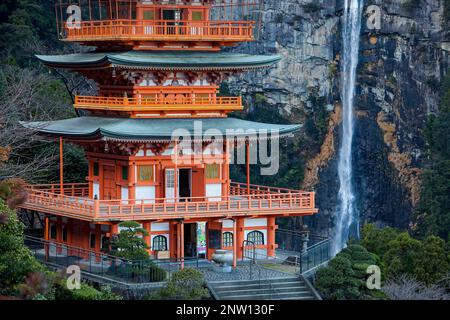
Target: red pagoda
158,65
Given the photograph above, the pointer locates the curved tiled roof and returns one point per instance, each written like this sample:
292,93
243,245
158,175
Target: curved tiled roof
161,60
154,129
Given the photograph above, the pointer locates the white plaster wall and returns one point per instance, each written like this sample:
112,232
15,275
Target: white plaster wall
214,190
160,226
227,223
146,193
259,222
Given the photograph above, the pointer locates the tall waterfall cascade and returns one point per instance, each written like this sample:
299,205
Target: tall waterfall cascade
346,218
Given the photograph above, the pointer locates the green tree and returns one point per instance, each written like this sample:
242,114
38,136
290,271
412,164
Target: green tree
433,262
377,240
129,243
16,260
433,213
402,255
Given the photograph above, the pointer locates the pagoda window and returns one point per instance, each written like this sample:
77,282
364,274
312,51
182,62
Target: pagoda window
159,243
212,171
145,173
149,15
124,173
96,169
257,237
197,15
227,239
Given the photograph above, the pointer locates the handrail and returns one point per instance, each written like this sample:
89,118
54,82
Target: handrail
124,102
146,29
260,200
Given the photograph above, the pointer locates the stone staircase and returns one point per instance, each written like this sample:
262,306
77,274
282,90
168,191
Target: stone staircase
293,288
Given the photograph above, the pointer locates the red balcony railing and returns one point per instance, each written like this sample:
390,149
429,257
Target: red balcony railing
159,30
260,201
178,102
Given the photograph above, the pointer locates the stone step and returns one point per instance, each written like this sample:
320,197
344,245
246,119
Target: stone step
246,282
260,286
267,289
300,291
271,296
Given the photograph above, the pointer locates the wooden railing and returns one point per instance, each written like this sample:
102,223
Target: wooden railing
154,30
262,200
156,103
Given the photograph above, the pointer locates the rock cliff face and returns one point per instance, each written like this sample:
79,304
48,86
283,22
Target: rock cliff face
401,64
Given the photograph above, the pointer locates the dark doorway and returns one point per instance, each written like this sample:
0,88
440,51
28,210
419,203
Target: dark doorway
190,240
169,14
184,176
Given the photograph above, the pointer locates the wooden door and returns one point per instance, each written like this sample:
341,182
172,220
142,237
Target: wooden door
109,183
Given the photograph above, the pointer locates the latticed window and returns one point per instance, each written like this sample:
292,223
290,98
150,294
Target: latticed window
257,237
96,169
159,243
212,171
227,239
145,173
197,15
124,173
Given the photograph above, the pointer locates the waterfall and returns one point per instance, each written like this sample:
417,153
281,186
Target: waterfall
346,217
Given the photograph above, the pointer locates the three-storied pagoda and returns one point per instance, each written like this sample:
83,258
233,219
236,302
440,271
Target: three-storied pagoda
158,67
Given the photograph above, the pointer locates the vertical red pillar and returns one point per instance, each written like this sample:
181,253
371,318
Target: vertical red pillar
239,236
46,237
98,242
235,244
271,228
181,236
247,163
61,164
173,245
58,234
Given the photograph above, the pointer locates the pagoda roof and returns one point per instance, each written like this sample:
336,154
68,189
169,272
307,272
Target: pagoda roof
160,60
159,130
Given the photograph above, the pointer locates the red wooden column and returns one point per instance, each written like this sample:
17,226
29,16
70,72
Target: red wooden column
180,241
173,244
247,164
61,165
46,237
271,227
235,244
175,173
58,234
239,236
98,242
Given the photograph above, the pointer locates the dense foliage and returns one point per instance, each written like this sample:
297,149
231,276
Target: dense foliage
345,276
16,261
186,284
405,263
433,214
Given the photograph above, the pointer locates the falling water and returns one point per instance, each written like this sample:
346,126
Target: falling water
346,217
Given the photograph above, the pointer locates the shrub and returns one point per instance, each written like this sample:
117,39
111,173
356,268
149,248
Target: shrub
186,284
345,276
139,271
